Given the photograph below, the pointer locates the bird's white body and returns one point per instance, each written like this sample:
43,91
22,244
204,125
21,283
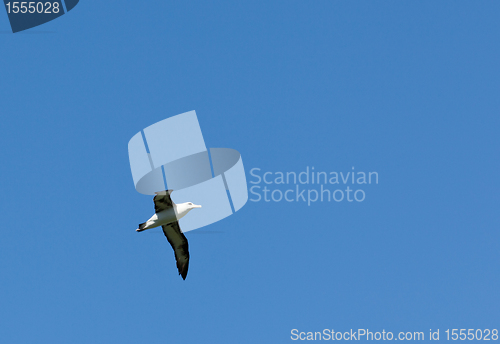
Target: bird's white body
169,215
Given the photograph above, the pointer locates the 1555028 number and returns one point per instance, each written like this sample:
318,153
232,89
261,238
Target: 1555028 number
32,7
471,334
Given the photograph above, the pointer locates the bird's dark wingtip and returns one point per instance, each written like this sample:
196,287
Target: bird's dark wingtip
183,272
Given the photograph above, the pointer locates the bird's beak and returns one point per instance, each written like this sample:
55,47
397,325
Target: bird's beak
196,206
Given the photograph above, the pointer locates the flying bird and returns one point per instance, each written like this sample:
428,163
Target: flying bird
167,214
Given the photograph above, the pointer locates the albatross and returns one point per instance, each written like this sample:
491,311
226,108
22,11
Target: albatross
167,214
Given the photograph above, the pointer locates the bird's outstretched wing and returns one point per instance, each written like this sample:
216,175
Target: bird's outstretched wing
180,245
162,200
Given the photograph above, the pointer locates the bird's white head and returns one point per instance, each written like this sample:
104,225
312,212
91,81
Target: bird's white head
182,209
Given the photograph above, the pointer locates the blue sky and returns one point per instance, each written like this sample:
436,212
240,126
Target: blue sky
407,89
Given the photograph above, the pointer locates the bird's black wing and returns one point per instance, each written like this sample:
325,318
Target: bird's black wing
180,245
162,200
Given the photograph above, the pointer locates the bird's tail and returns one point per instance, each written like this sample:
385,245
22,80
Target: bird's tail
142,227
